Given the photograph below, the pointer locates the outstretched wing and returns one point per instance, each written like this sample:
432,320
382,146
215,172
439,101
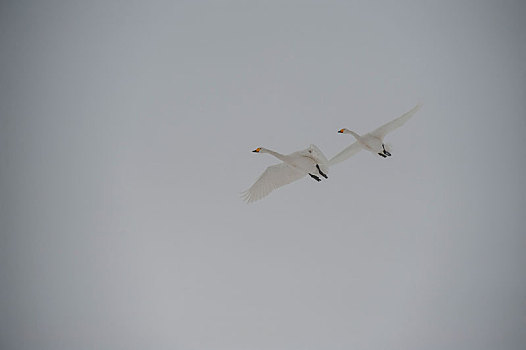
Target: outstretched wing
393,124
319,158
273,177
318,155
346,153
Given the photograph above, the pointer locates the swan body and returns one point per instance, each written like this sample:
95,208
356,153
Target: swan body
373,141
294,166
369,141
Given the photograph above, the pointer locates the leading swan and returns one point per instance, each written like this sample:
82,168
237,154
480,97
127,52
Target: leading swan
294,166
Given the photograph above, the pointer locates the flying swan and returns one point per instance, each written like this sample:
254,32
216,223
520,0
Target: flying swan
373,141
294,166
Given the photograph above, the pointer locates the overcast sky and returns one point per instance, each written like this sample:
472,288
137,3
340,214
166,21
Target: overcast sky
126,134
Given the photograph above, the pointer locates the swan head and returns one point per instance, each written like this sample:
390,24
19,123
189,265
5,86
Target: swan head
347,131
257,150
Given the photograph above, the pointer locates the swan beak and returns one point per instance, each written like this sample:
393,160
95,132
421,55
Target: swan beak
257,150
340,131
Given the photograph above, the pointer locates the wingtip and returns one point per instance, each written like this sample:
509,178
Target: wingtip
247,197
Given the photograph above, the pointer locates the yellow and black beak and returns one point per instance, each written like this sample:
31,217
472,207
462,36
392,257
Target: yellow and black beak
341,131
257,150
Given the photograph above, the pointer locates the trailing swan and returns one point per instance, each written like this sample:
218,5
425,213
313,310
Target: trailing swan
373,141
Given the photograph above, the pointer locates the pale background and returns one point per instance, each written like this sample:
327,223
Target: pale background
126,136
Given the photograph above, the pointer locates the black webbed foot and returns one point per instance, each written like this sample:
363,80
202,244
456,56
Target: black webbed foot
315,177
321,172
385,152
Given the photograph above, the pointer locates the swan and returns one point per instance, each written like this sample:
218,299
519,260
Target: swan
310,161
373,141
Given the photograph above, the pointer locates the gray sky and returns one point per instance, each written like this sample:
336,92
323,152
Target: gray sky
126,131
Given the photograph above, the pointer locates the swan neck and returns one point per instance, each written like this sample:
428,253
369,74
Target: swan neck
275,154
356,136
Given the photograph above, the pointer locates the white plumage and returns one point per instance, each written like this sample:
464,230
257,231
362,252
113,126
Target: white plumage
311,161
296,165
373,141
